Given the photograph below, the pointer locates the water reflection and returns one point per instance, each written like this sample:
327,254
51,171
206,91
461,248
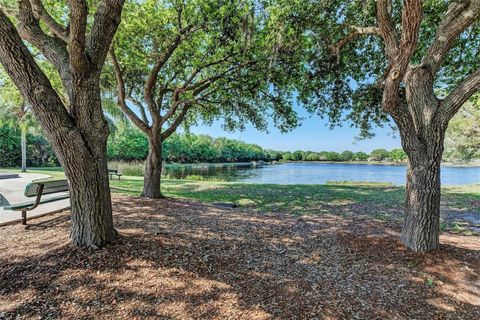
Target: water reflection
224,172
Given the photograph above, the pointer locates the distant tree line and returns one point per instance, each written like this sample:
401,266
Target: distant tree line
130,144
395,155
127,143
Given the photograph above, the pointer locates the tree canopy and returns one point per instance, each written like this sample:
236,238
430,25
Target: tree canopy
197,61
181,63
343,47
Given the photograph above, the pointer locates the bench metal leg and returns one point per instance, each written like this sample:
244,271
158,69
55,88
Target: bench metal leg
24,217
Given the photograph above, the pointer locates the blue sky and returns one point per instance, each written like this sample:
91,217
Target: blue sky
313,135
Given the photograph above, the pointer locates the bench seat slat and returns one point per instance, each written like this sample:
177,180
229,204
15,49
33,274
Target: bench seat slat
49,187
23,205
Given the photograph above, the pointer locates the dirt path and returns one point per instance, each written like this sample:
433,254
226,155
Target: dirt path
186,260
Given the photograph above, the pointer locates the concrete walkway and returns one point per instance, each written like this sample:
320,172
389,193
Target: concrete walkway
11,192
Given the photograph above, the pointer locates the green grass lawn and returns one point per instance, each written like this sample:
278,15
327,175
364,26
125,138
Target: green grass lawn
378,200
335,197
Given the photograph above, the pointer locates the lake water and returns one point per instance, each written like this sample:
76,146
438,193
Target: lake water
318,173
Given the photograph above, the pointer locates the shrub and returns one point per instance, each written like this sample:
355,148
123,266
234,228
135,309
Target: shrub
128,144
194,177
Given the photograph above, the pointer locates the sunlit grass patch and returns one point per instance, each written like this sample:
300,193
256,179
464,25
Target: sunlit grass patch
246,202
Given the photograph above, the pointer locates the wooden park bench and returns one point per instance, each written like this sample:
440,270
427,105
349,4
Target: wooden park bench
38,190
113,172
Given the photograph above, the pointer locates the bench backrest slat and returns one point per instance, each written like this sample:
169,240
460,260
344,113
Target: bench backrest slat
49,187
112,171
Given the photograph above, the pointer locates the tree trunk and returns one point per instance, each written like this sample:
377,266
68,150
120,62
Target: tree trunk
78,131
422,140
422,129
87,170
421,227
23,129
92,224
153,169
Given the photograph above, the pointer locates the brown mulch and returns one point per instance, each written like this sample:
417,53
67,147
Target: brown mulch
185,260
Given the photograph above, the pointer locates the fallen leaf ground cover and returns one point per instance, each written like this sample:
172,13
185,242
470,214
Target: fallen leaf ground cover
186,259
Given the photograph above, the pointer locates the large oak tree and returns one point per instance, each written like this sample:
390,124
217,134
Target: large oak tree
179,62
414,62
76,44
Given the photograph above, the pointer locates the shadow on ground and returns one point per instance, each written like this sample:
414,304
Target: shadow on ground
187,260
460,207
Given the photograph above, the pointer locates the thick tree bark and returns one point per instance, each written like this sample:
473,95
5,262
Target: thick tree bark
153,169
92,223
421,227
23,143
423,141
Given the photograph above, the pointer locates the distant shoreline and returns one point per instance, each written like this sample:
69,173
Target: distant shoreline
389,163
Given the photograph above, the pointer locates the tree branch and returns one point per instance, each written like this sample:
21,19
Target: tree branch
356,31
105,24
173,108
399,55
174,125
140,107
199,88
77,37
121,96
54,49
208,81
206,66
42,14
460,15
9,8
387,28
411,20
161,94
179,16
152,79
455,100
30,79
